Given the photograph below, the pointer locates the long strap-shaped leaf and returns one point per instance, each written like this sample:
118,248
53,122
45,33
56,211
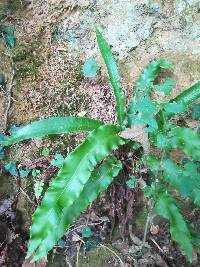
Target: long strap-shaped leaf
189,95
54,125
114,77
98,182
66,188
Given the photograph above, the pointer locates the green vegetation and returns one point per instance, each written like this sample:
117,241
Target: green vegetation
90,68
8,7
90,168
7,33
27,59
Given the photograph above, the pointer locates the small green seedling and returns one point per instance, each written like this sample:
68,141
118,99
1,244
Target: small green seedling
90,68
57,161
132,182
35,172
11,167
45,152
86,232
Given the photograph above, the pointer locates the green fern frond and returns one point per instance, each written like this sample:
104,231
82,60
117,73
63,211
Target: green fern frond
186,98
187,140
186,180
99,181
189,95
150,73
165,87
114,78
142,110
166,207
54,125
66,188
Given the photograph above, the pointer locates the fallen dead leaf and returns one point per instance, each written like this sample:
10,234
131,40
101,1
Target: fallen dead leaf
137,133
154,229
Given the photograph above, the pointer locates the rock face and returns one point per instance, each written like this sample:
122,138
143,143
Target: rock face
139,32
126,24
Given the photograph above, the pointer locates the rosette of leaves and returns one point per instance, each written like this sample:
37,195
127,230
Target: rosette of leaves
90,168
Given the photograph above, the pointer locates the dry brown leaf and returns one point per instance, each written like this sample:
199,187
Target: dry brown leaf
137,133
154,229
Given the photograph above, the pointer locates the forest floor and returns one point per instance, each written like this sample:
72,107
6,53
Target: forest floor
53,39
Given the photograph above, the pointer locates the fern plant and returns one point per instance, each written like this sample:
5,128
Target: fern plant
90,168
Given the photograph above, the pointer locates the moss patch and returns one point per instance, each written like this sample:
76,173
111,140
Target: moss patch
27,59
6,187
99,258
9,7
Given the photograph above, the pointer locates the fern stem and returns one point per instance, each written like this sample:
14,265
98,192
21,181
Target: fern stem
148,221
77,255
153,201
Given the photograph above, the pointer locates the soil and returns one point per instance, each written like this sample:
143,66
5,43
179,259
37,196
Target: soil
53,39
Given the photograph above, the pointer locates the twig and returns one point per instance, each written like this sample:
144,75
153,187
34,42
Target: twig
156,245
3,93
88,224
113,252
25,194
77,255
